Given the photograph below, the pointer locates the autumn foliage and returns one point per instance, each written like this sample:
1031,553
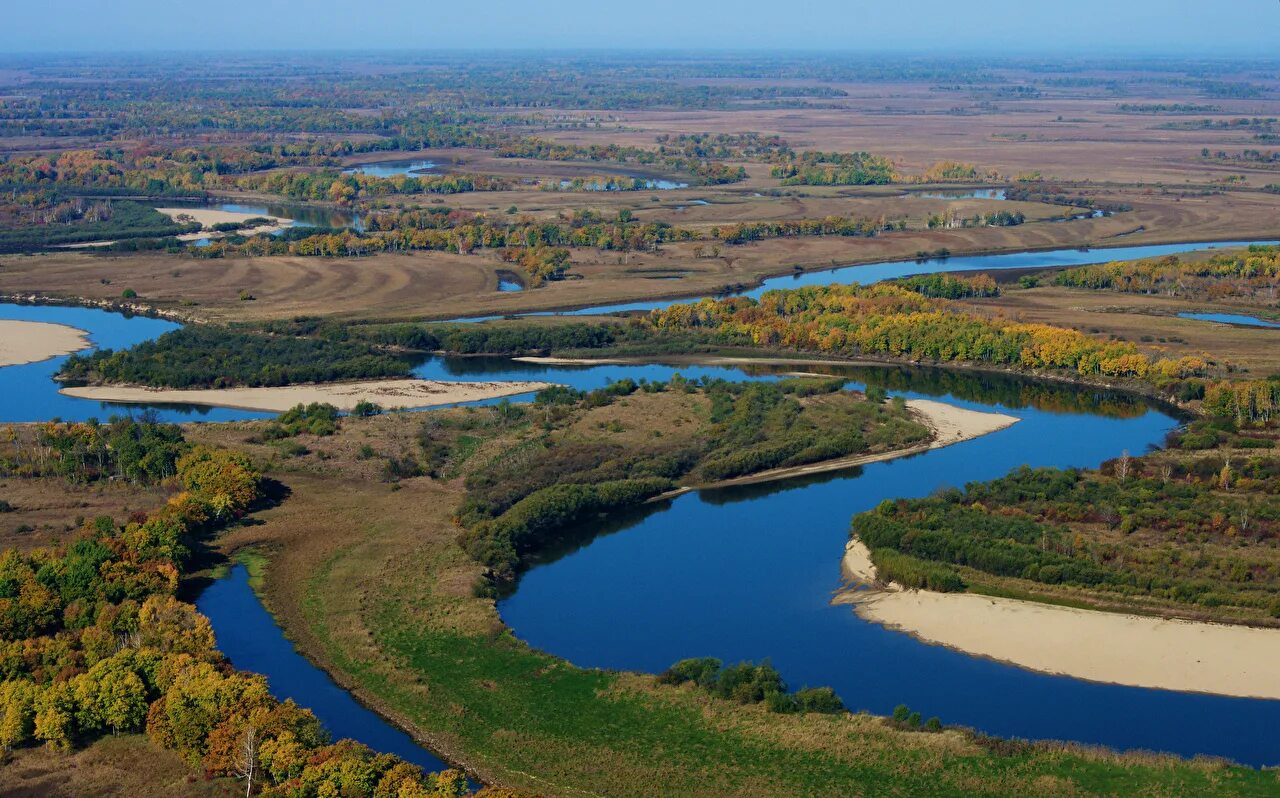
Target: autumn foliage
93,642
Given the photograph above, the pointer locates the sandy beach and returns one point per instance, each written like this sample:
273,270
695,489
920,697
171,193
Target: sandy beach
390,394
33,341
1111,647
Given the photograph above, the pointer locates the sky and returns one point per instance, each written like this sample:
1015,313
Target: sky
1110,27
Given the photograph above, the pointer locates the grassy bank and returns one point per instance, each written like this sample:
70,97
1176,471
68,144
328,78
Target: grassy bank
365,577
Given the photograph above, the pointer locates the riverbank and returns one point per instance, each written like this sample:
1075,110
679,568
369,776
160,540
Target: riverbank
951,424
389,394
33,341
1117,648
371,585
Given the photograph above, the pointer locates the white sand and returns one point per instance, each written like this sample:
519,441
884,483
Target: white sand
1099,646
209,217
391,394
33,341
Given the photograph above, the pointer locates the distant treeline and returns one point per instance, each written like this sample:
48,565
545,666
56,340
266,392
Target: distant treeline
1254,272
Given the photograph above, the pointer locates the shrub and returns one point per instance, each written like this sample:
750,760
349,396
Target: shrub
702,672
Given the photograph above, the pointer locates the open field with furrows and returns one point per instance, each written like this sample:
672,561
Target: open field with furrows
366,579
442,285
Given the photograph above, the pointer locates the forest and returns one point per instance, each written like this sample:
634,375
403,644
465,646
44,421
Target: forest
1254,272
1188,531
889,320
200,356
93,641
525,497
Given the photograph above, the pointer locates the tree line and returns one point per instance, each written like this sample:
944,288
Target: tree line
93,642
1167,530
200,356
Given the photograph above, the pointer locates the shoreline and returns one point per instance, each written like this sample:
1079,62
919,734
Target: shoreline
1093,645
23,342
951,424
758,279
391,394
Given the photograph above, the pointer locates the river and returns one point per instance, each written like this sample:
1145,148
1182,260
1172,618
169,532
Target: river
748,572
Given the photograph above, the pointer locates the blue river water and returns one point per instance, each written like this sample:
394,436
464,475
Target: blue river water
956,194
250,638
748,572
409,167
869,273
1231,318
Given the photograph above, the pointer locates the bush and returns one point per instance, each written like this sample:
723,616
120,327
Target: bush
129,293
317,418
747,683
365,409
702,672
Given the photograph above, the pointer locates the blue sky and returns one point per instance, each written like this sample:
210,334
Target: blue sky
1113,27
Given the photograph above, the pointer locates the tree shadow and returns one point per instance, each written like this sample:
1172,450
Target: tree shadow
207,562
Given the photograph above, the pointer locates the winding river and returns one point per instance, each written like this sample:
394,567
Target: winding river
748,572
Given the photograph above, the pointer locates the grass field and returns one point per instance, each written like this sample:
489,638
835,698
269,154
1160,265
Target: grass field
365,578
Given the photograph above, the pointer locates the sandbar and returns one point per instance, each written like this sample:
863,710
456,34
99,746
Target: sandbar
1118,648
33,341
390,394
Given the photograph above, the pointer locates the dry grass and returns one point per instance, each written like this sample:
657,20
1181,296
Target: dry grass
49,508
114,767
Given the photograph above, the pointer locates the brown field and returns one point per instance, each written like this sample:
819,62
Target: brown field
1074,136
46,509
114,767
442,285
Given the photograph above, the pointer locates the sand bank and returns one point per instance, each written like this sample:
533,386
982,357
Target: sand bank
209,217
33,341
1099,646
391,394
950,424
